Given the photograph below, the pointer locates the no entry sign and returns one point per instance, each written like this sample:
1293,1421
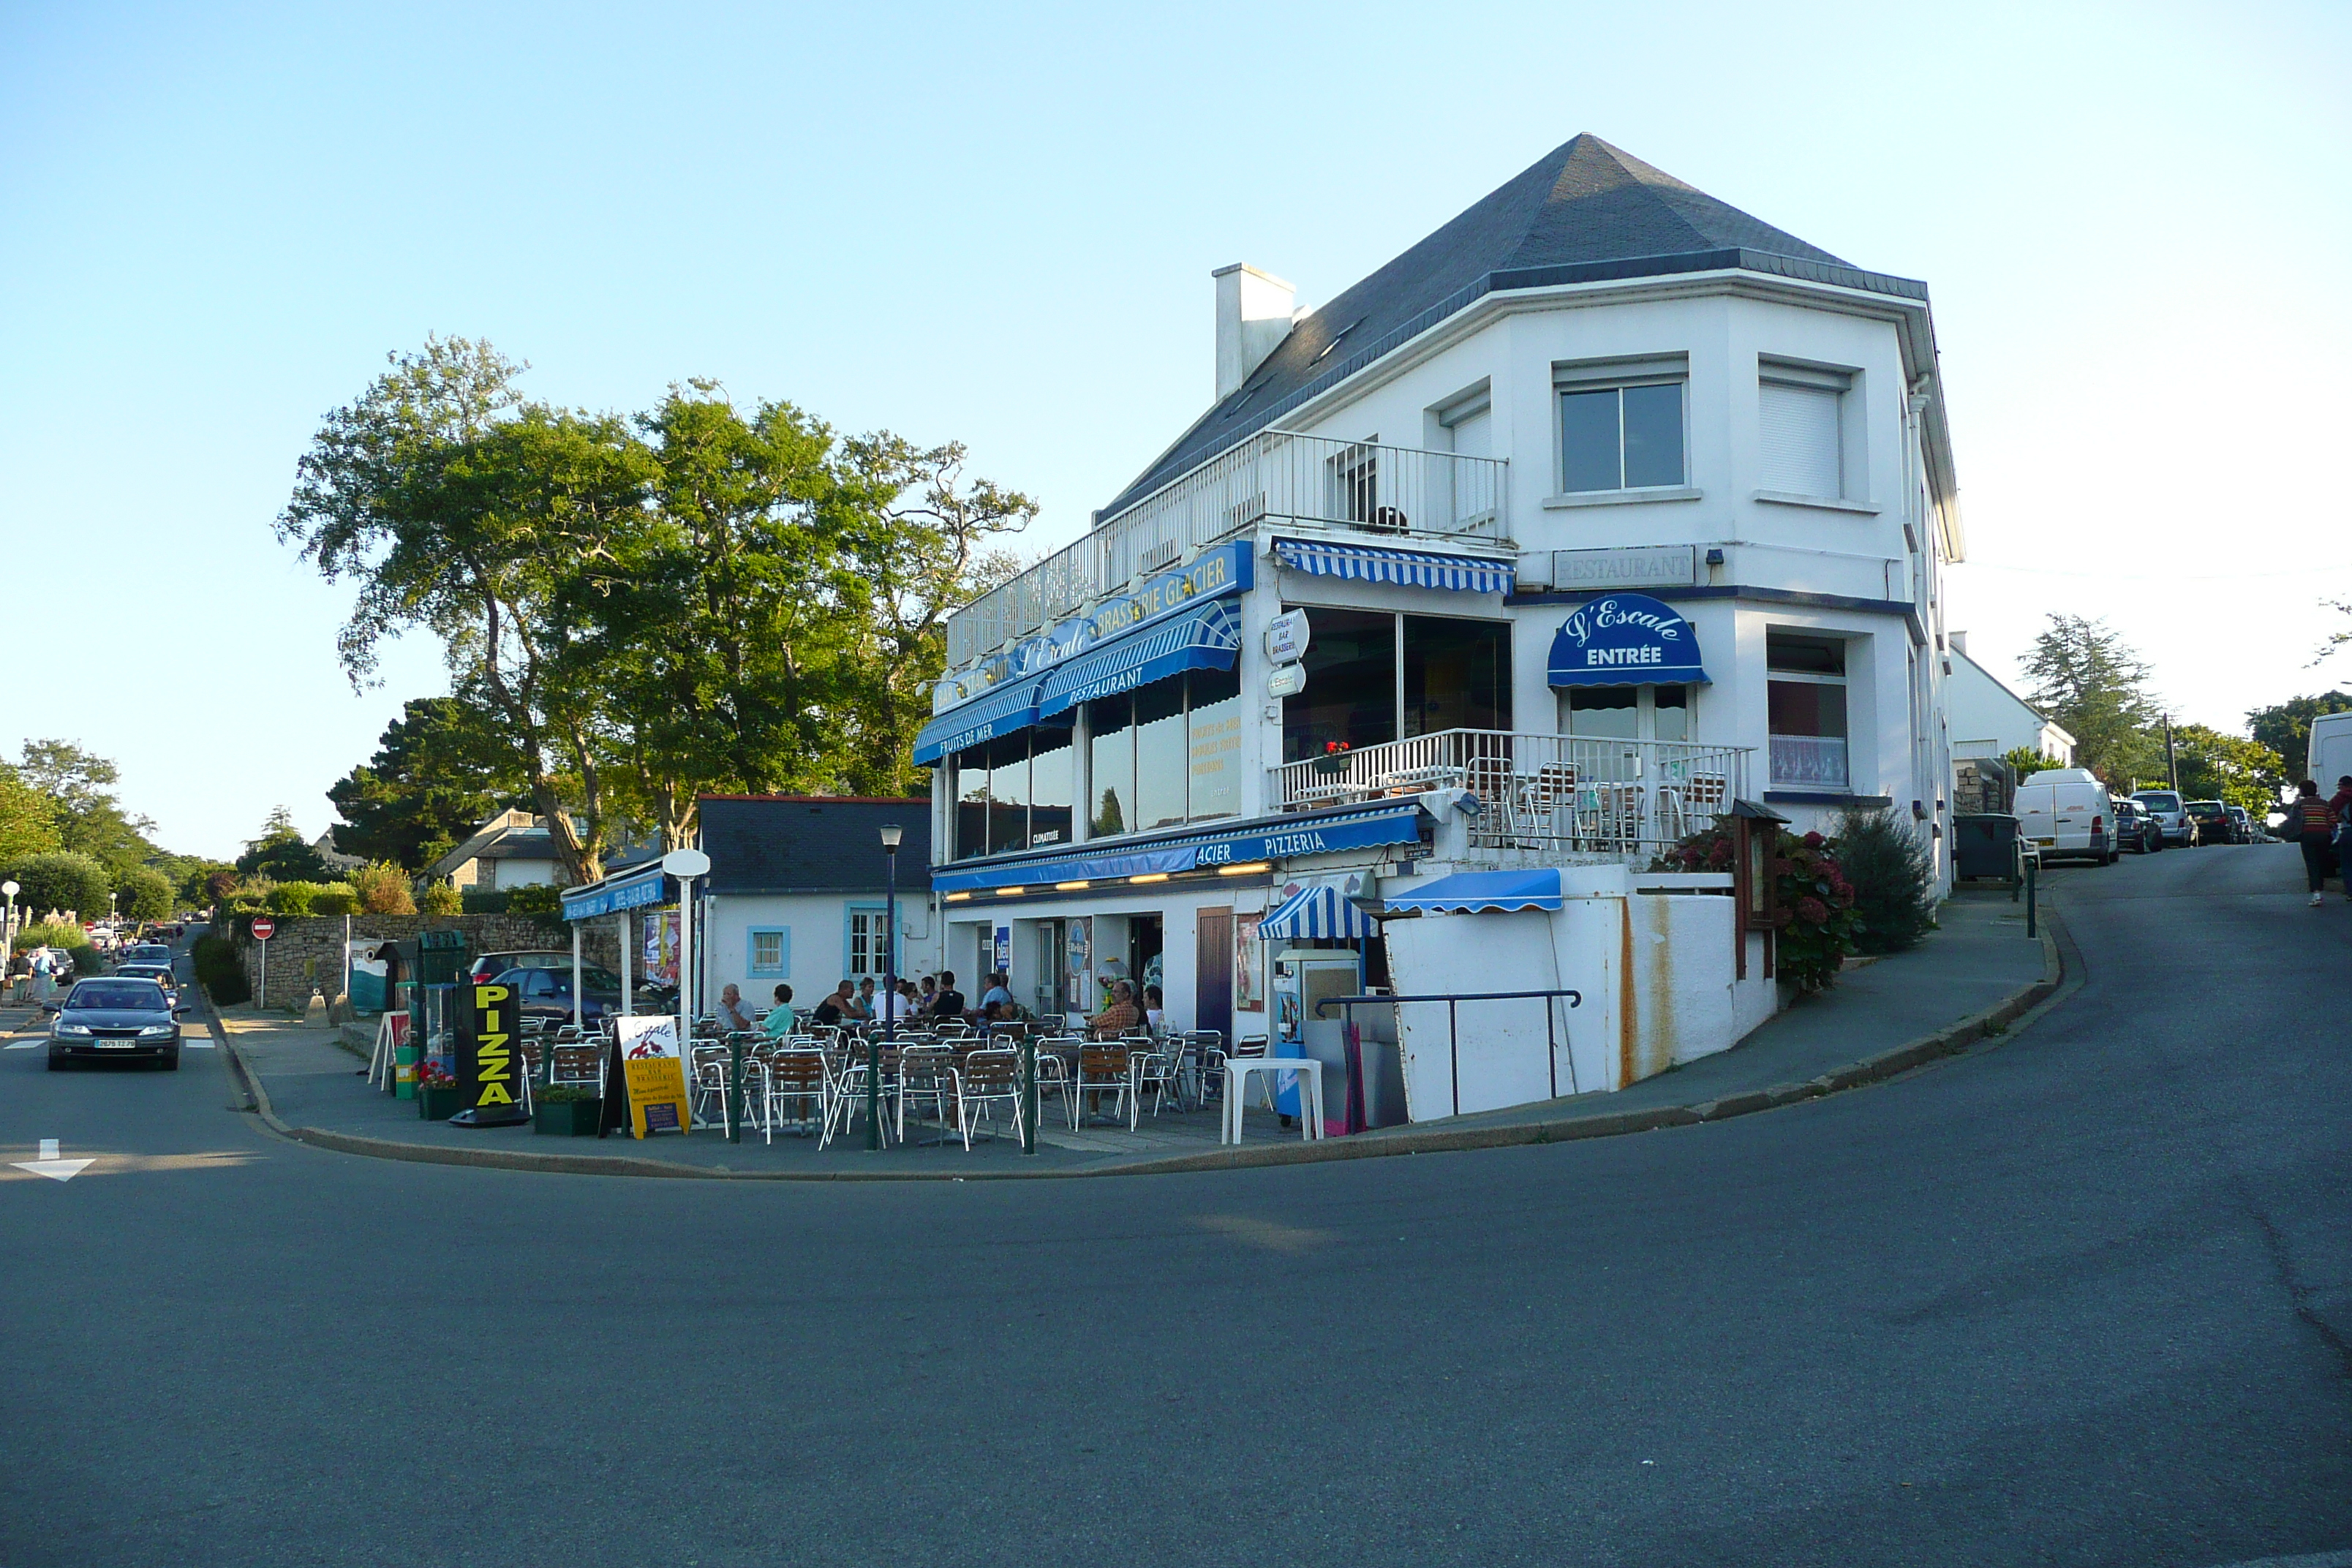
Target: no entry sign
263,928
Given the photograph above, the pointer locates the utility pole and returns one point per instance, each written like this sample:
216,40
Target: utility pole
2171,759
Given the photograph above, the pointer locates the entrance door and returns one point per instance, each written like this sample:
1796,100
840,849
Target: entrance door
1212,995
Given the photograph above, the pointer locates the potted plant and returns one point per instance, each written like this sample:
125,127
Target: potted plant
567,1110
436,1092
1333,763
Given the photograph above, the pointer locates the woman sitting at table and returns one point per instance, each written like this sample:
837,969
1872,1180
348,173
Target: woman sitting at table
1119,1017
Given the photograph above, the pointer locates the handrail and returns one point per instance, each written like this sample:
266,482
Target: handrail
1355,1107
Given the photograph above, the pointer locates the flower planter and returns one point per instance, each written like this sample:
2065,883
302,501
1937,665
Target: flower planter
567,1118
437,1103
1330,767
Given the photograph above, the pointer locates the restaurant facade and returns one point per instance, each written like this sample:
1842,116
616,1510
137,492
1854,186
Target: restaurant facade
1600,509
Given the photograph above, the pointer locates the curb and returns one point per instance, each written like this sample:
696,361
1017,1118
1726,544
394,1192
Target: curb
1953,1039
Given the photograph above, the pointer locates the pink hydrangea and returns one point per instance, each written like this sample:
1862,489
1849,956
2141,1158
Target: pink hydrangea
1813,911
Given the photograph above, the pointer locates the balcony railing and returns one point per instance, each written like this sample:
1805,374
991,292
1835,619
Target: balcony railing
1542,794
1355,486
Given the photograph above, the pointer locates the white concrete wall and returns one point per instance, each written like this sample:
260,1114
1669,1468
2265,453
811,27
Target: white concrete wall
818,957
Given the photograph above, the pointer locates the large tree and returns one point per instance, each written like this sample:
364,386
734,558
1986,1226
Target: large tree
439,772
28,821
2087,678
65,881
2285,728
457,506
87,815
280,853
2228,768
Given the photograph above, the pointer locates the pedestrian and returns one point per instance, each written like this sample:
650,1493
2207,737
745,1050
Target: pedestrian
45,969
781,1018
2313,826
2340,803
20,974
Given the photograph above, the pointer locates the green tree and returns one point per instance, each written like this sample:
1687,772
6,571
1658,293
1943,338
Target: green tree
2228,768
2285,728
2025,762
2087,678
87,815
63,880
27,825
440,771
145,894
281,854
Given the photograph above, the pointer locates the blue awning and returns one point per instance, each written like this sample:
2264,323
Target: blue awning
1314,913
1208,638
1000,712
1276,838
1625,639
1407,568
610,896
1468,892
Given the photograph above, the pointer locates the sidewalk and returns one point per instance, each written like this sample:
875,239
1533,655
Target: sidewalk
1971,978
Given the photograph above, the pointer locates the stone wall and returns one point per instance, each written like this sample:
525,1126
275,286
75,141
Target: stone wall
307,950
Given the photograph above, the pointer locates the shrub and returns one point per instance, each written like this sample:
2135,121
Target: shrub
336,899
1814,901
535,900
61,880
383,889
485,900
567,1093
295,898
1893,874
219,973
441,898
45,933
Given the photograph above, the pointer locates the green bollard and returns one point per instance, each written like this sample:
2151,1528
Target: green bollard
1028,1094
735,1094
2031,867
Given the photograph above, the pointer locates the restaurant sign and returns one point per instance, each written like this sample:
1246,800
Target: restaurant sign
489,1070
655,1074
1223,569
1625,639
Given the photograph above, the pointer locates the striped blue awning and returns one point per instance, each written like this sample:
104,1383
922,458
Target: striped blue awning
1207,638
1469,892
1315,912
1407,568
1011,707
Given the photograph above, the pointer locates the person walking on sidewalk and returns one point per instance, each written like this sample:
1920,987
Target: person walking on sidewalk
2339,806
2313,826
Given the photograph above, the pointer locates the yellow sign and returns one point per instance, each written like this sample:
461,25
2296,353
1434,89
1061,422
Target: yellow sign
656,1076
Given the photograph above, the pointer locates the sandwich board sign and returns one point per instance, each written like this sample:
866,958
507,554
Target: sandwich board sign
488,1067
655,1074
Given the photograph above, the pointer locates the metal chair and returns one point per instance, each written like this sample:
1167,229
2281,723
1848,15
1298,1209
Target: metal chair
797,1075
1104,1069
984,1079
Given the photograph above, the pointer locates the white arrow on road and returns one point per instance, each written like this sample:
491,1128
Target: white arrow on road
50,1166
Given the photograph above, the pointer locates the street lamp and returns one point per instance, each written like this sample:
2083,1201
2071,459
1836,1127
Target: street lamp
891,834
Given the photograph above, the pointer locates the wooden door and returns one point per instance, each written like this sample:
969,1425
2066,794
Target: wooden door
1213,998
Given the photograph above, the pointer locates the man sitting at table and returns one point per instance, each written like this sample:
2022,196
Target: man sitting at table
949,1002
830,1012
733,1014
1120,1016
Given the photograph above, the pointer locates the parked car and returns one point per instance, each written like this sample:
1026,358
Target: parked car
2214,824
114,1018
2064,813
2136,830
493,963
547,993
160,973
2170,815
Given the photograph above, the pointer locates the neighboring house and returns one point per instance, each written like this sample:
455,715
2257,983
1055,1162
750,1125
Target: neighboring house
512,849
1987,719
335,858
797,893
1602,505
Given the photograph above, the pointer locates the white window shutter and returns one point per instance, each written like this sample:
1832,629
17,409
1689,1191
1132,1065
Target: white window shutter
1801,452
1474,436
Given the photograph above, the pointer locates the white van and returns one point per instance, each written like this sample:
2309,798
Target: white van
2065,813
2330,757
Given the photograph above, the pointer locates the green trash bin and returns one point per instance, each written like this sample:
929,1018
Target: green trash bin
1985,845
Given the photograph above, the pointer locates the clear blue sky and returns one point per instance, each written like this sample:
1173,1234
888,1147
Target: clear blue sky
996,223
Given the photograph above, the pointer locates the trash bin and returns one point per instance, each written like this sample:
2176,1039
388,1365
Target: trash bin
1985,845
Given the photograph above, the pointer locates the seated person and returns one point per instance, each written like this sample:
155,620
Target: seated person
733,1014
1155,1009
834,1011
1119,1017
781,1018
999,991
861,1006
949,1002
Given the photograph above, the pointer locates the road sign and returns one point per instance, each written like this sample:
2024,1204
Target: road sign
263,928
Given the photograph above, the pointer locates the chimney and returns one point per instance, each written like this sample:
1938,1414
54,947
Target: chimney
1960,641
1254,311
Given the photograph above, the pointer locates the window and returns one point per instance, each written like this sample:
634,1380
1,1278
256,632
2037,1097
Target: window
1805,696
1112,720
770,952
1213,698
863,952
1620,425
969,783
1356,483
1161,769
1375,676
1802,429
1627,713
1168,753
1051,759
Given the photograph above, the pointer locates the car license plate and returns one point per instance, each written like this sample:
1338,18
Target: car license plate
114,1044
2047,843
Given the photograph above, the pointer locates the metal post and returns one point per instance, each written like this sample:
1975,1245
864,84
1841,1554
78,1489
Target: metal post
2032,864
627,992
889,1000
577,1008
262,1000
2171,758
735,1091
1029,1093
1453,1051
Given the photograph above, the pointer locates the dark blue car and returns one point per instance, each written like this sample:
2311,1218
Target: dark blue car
115,1020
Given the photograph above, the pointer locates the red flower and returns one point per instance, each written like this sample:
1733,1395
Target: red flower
1783,915
1814,841
1783,867
1844,896
1813,911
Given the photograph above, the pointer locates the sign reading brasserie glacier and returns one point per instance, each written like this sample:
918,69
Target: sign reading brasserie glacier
1624,640
1224,569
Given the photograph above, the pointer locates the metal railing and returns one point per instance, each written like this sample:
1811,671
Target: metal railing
1551,795
1355,486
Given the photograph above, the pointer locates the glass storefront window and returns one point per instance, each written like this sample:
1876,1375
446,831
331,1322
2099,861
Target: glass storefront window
1159,762
969,783
1671,715
1216,702
1351,695
1458,675
1008,794
1050,781
1113,760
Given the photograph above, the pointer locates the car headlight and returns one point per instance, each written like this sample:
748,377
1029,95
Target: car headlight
65,1028
153,1030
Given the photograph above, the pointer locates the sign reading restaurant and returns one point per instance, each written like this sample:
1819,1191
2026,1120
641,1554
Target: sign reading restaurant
1223,569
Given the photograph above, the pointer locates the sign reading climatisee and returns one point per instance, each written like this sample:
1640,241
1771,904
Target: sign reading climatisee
1286,637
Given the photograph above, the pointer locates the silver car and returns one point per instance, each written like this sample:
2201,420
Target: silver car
2172,814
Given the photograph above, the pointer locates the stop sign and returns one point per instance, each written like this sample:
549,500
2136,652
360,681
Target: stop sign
262,926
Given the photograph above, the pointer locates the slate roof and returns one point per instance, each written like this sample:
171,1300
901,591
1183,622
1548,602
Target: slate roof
1585,212
812,842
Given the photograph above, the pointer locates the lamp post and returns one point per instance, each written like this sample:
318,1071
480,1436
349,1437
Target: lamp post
8,948
891,834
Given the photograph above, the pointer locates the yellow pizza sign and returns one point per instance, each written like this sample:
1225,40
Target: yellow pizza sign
490,1070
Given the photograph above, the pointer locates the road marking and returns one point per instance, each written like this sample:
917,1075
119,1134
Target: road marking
20,1046
50,1166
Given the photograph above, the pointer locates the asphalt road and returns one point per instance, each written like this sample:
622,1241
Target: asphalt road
2084,1298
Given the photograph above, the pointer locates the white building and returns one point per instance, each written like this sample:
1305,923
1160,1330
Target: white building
1602,506
1989,720
512,849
